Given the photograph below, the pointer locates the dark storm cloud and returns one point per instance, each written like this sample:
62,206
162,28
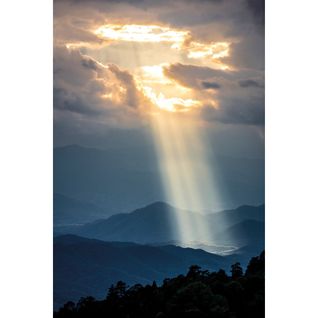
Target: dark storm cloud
208,20
80,82
189,75
236,105
139,2
95,92
67,101
77,83
132,94
249,83
89,63
183,69
257,7
237,112
209,85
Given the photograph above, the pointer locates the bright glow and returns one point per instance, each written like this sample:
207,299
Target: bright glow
214,50
180,39
141,33
172,104
162,92
186,175
154,74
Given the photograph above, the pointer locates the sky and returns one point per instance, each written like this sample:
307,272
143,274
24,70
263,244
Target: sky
184,77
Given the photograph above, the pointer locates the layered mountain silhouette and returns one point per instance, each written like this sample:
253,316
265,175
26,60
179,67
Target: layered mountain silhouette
244,212
245,232
156,223
68,211
153,223
142,246
85,267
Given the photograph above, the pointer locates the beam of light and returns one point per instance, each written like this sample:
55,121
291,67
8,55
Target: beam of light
186,175
154,74
186,172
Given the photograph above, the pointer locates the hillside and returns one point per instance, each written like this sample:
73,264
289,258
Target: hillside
85,267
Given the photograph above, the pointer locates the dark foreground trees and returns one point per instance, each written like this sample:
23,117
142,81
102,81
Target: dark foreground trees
199,294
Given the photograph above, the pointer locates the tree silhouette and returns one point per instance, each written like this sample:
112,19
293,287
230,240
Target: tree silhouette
236,271
198,294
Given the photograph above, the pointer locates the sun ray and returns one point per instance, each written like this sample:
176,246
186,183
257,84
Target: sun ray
186,175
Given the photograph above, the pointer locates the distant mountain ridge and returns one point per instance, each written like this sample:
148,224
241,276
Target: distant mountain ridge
69,211
157,223
153,223
243,233
243,212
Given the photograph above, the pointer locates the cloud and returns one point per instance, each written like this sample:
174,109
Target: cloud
90,64
209,21
78,82
257,7
95,84
231,105
94,91
233,111
69,101
249,83
209,85
191,75
133,97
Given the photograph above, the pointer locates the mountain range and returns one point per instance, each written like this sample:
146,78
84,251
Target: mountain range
156,223
142,246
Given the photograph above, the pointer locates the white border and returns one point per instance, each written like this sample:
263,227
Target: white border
26,158
291,158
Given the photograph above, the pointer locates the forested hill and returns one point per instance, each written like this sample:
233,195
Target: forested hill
198,294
